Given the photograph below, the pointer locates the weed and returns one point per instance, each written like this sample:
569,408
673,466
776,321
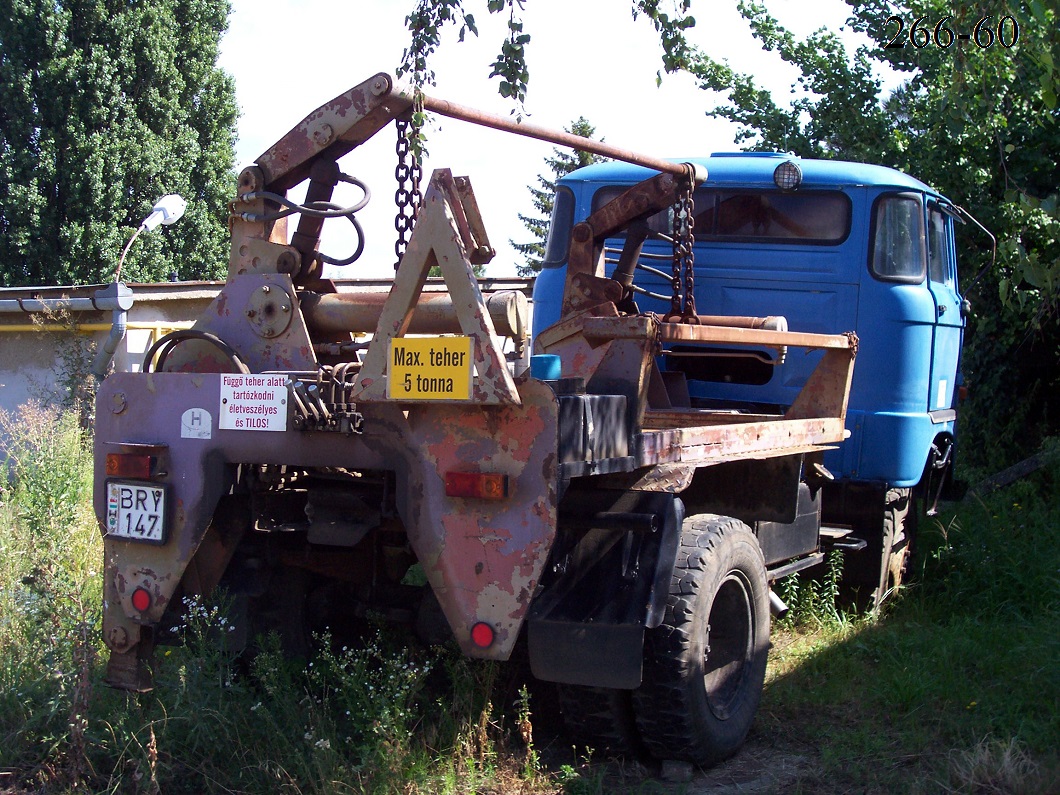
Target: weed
532,765
994,767
49,595
814,601
73,386
366,704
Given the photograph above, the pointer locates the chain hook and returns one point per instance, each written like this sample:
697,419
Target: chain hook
409,175
683,281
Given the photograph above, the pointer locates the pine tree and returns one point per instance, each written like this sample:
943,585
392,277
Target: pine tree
106,105
562,162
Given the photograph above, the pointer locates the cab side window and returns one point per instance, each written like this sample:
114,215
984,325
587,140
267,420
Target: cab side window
898,238
559,228
939,268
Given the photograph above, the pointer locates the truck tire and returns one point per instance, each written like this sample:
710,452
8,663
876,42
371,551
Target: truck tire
899,519
888,525
600,719
705,665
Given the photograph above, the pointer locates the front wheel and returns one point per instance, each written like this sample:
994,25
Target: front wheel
705,665
888,523
899,524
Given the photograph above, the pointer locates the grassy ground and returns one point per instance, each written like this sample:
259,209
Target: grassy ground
955,688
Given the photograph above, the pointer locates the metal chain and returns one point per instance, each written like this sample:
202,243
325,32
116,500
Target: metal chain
408,198
675,281
683,301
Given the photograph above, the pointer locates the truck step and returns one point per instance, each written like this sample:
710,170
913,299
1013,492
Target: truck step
835,533
841,538
850,544
796,565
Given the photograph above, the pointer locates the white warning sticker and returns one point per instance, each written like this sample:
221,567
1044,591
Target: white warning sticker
254,402
196,424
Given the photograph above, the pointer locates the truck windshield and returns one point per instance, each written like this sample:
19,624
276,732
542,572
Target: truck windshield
817,217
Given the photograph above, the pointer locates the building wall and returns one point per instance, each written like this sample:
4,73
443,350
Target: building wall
39,350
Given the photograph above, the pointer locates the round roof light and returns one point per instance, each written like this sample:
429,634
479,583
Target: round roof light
788,175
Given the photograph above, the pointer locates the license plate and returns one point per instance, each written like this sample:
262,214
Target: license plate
136,511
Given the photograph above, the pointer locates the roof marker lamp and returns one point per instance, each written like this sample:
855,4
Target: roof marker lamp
787,176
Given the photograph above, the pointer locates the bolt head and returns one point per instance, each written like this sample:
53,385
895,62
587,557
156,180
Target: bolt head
118,638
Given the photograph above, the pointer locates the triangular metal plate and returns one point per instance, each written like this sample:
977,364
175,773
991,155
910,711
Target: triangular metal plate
448,233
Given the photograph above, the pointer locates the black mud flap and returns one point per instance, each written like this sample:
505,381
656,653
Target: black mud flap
608,579
596,655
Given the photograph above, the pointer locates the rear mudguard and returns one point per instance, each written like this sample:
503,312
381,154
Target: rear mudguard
608,581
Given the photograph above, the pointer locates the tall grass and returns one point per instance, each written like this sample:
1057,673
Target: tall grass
49,594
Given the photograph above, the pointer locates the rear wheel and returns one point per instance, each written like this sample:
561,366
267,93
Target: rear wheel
704,666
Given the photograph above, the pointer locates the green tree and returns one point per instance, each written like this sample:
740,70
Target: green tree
562,162
105,105
980,123
430,17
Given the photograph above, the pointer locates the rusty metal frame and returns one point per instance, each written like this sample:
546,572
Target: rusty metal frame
602,345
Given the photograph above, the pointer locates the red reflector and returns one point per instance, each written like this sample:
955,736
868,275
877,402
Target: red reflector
141,600
482,635
483,485
127,465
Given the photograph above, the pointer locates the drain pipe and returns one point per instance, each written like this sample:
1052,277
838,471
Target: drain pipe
119,299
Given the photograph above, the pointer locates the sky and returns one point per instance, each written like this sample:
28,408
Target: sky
586,58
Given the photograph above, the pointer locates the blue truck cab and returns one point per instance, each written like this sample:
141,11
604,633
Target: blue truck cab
816,246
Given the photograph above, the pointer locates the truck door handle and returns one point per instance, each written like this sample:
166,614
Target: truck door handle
942,309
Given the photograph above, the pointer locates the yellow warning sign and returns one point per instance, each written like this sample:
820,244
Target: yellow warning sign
429,368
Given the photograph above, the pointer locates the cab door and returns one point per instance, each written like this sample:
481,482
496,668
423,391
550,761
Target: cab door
949,320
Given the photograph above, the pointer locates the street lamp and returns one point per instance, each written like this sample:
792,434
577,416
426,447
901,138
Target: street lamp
119,298
166,211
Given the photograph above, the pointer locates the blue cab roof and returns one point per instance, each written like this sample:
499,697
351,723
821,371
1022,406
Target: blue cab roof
755,169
